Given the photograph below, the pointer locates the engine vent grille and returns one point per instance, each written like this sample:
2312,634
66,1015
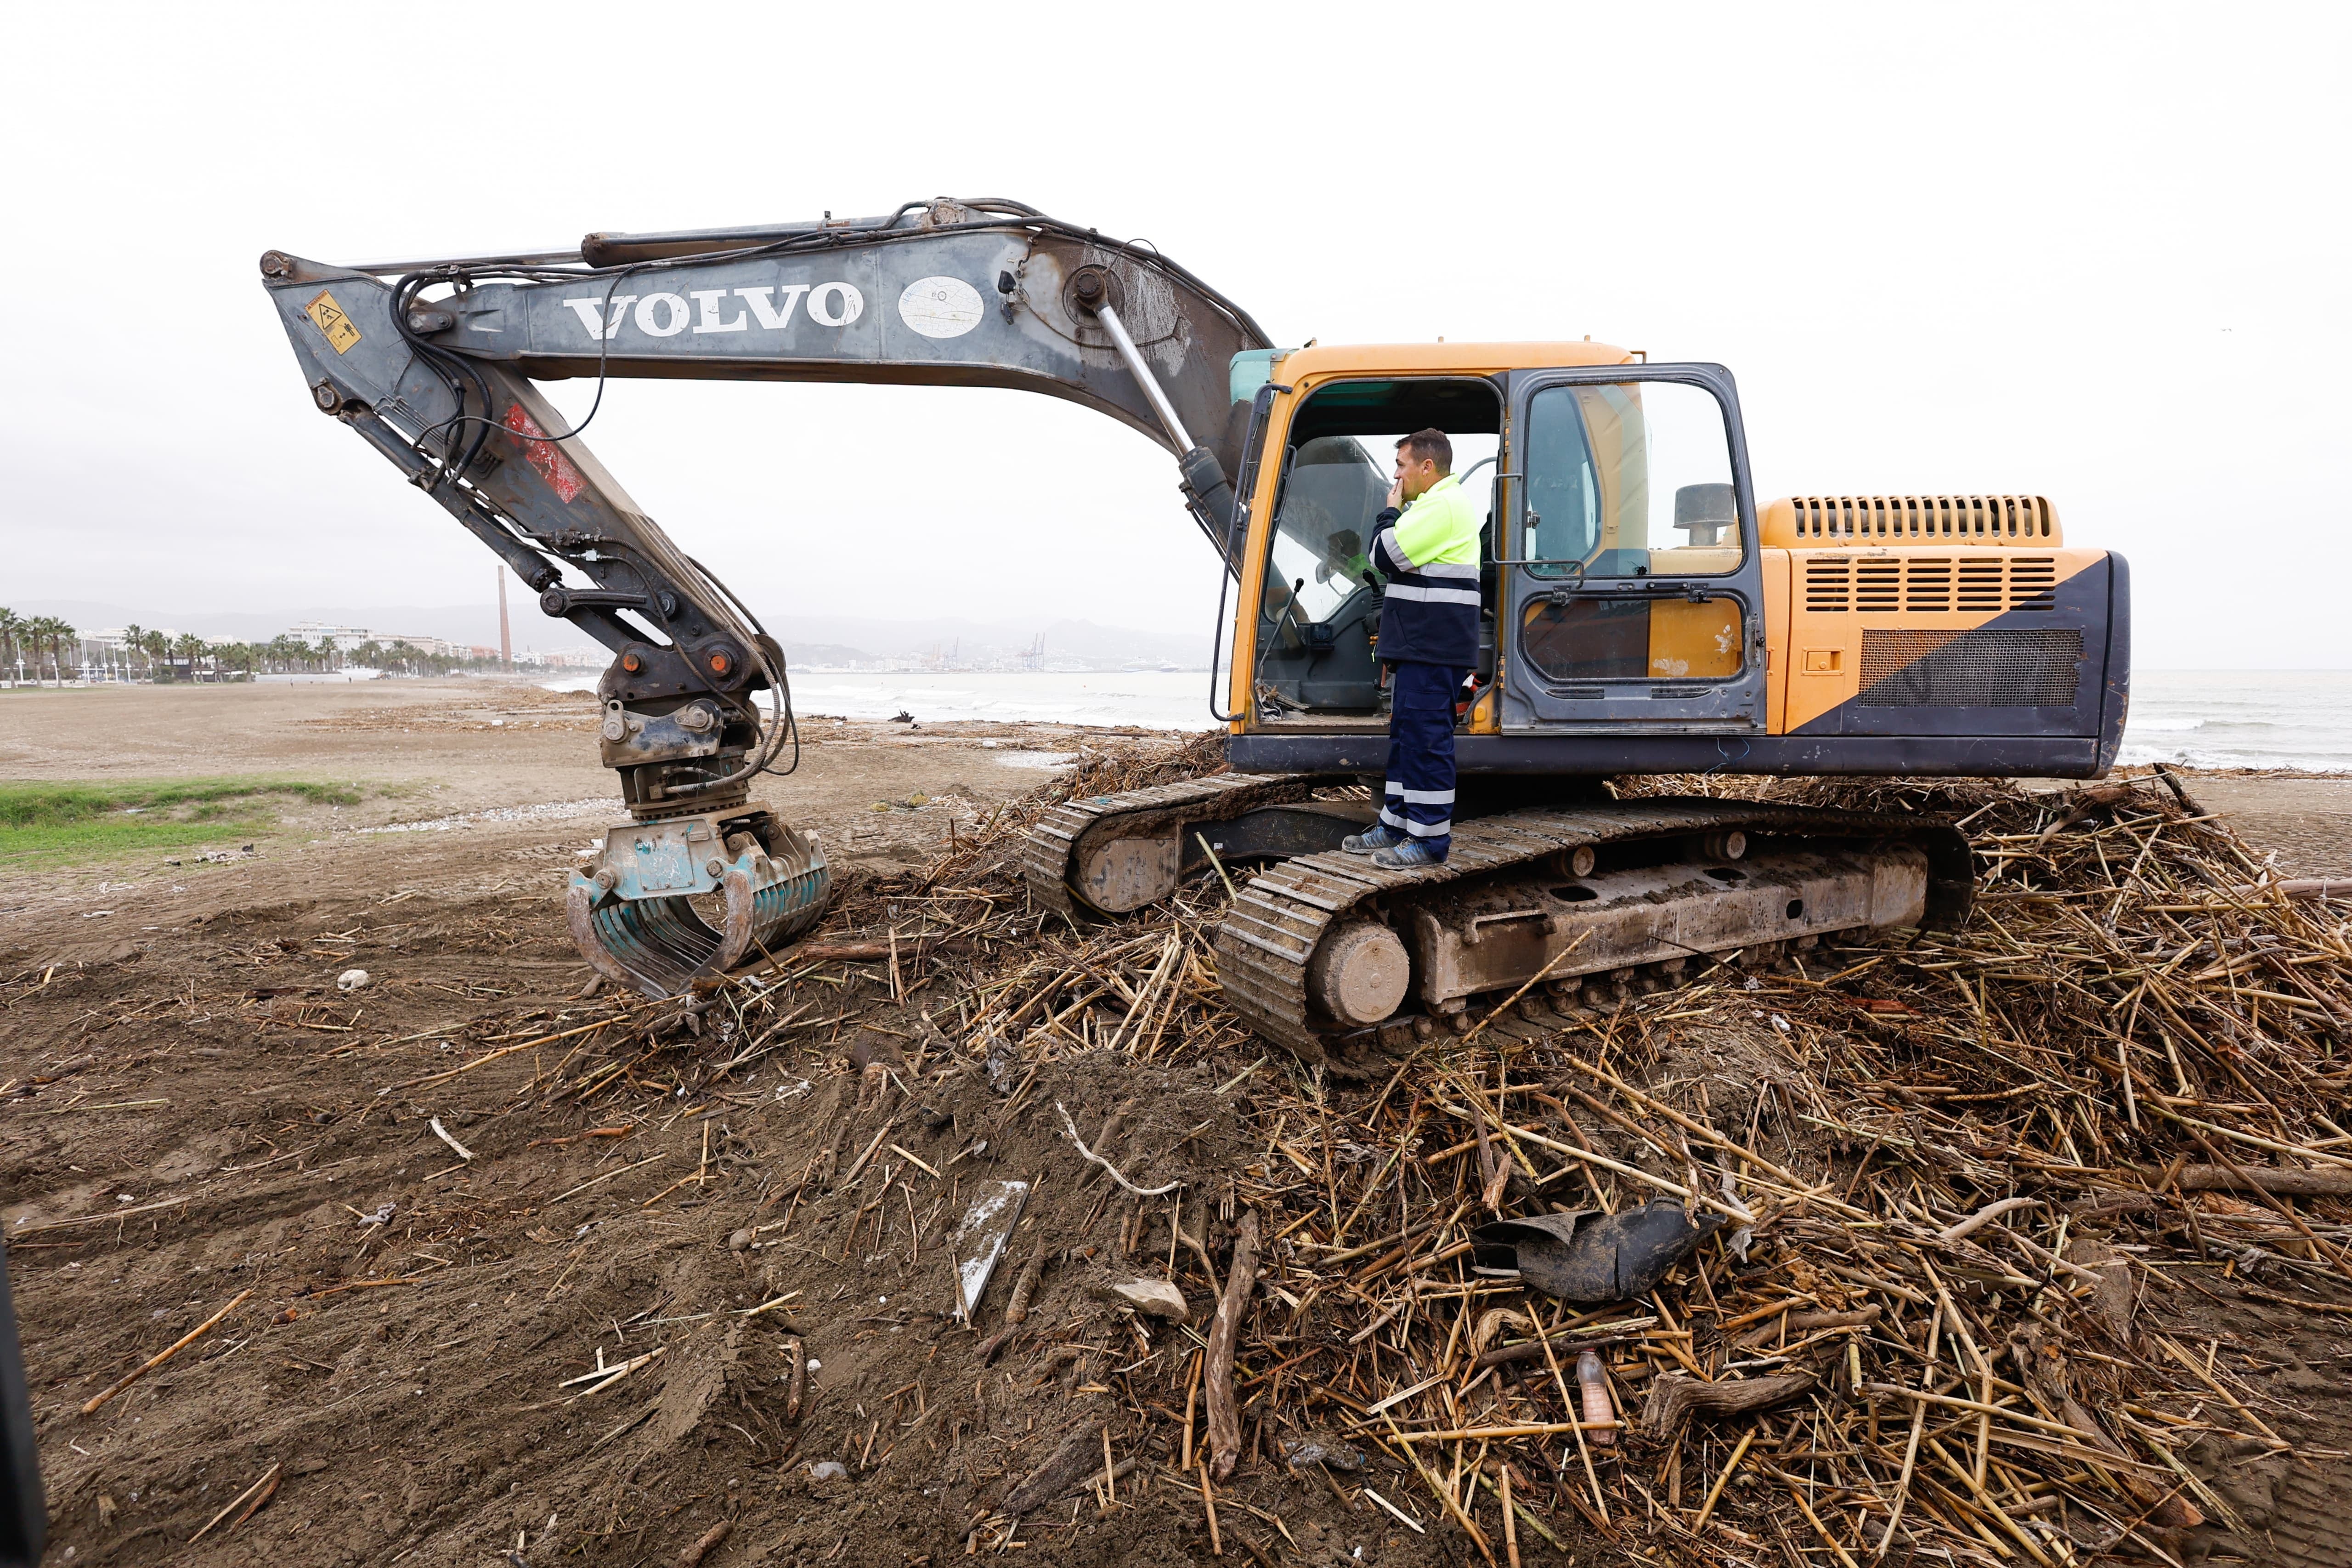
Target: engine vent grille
1923,584
1969,670
1829,582
1923,519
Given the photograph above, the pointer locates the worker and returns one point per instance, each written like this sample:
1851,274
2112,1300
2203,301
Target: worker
1429,639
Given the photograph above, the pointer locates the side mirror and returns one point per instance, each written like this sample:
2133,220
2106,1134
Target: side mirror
24,1512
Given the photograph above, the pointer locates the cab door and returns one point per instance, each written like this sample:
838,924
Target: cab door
1632,596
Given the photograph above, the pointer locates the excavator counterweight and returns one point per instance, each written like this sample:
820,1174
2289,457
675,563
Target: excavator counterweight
1641,612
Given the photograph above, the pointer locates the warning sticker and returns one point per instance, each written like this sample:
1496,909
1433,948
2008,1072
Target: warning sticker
330,318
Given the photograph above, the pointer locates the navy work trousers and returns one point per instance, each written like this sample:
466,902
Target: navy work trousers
1419,797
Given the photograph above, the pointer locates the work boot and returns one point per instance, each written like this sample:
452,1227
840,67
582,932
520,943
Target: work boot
1381,835
1411,852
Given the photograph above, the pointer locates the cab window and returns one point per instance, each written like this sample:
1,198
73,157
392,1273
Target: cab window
1628,479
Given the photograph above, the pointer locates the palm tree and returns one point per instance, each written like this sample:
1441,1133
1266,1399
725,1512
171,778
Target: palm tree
32,631
134,644
154,647
12,626
189,648
49,632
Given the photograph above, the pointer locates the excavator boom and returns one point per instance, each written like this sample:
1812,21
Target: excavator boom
435,363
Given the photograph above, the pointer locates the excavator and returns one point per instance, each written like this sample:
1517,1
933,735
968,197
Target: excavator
1642,613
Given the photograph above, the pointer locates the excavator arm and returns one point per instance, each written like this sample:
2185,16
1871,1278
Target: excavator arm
435,363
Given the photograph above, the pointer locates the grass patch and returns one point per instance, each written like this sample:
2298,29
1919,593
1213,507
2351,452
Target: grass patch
66,821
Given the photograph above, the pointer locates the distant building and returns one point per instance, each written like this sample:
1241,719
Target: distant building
561,658
114,639
346,638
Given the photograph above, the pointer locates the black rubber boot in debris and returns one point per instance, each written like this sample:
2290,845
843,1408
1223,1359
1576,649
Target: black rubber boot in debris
1586,1256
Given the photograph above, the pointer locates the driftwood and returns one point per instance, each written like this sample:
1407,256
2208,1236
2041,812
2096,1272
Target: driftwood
2265,1178
1225,1419
1564,1343
1983,1217
910,948
1678,1393
1016,1307
191,1337
796,1380
2298,888
1080,1452
1800,1324
693,1555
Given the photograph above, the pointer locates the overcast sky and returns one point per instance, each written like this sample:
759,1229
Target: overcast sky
2097,252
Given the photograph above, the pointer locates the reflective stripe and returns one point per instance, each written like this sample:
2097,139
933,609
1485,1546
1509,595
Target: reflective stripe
1394,788
1434,595
1448,569
1389,819
1424,796
1431,829
1387,537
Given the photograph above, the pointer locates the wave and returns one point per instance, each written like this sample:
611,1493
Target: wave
2218,757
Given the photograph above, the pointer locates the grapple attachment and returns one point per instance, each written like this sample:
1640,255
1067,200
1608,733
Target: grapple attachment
643,913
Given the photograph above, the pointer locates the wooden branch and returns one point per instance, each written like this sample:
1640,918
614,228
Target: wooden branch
1984,1217
1224,1418
1049,1480
2296,888
1677,1393
2276,1179
1116,1175
182,1342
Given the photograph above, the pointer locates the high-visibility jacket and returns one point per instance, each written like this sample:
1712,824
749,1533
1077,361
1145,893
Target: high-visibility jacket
1430,553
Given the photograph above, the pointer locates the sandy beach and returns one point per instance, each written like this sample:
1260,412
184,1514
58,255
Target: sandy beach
483,787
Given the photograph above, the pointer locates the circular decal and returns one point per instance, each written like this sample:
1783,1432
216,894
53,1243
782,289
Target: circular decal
940,306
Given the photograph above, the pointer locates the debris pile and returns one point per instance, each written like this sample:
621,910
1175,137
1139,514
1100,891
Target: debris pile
1841,1256
960,1228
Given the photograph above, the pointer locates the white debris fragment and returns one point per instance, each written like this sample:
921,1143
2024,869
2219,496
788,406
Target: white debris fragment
1153,1298
351,980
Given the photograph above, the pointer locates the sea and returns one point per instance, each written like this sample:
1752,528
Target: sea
2293,719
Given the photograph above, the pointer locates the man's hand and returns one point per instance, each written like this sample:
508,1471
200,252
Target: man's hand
1396,492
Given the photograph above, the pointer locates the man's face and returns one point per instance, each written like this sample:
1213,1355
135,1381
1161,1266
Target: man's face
1414,475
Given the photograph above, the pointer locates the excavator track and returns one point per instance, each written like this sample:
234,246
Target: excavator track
1053,857
1268,943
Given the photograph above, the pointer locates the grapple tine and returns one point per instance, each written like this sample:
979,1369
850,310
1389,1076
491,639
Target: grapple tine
631,912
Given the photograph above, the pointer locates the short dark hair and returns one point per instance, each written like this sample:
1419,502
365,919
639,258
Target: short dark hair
1432,445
